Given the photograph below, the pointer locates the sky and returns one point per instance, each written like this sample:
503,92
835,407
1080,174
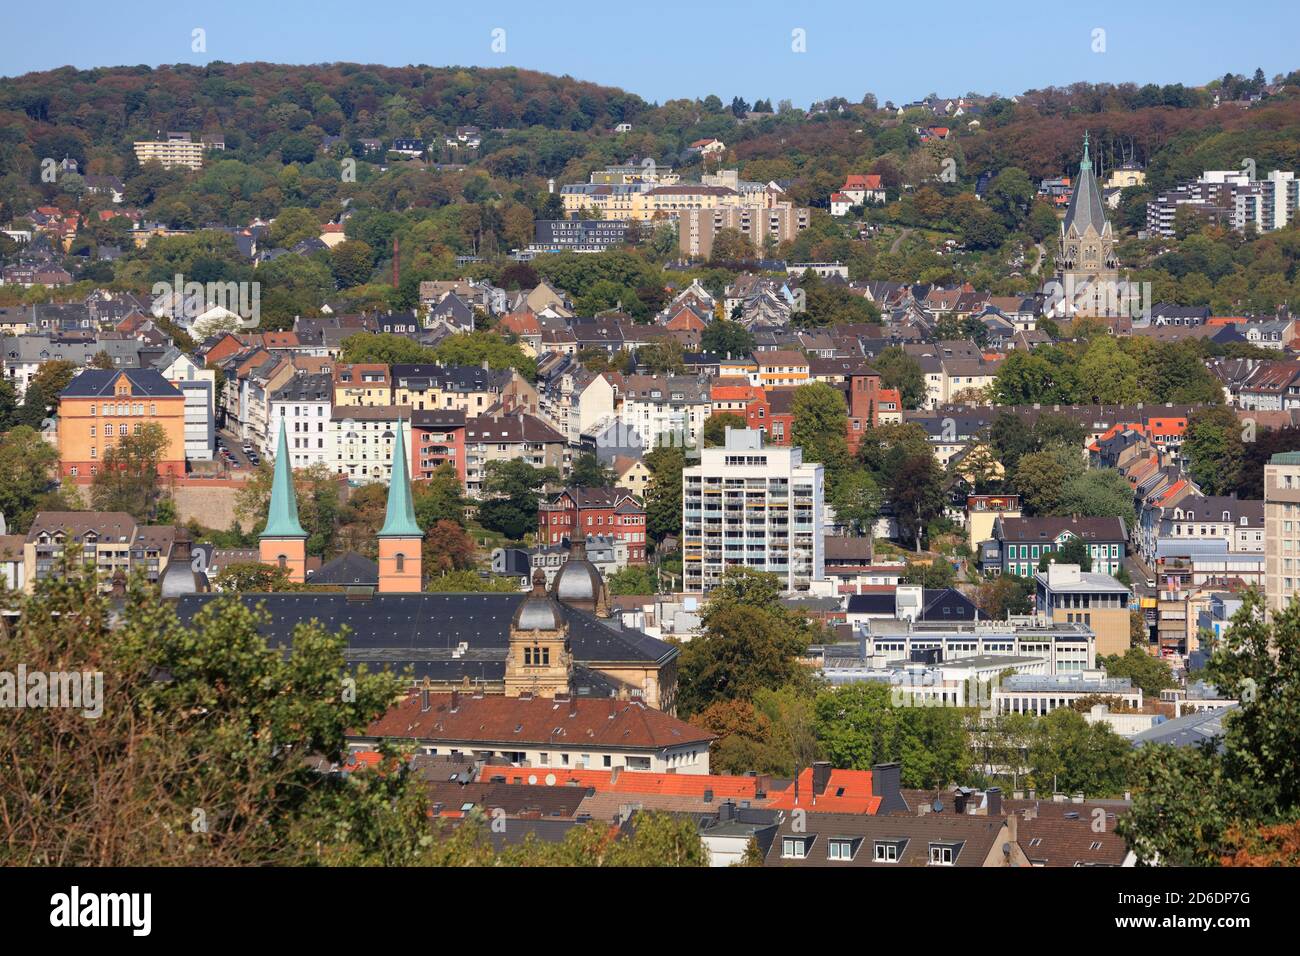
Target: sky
664,49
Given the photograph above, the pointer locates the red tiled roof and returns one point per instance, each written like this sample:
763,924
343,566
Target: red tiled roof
595,722
849,791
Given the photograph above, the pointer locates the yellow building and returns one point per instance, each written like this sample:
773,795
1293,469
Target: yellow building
1067,594
178,149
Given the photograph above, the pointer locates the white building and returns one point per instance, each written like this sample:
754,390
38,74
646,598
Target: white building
751,505
199,386
304,405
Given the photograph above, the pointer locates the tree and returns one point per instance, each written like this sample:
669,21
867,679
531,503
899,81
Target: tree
1071,755
1150,673
226,740
26,463
1073,551
1097,493
929,574
662,357
475,348
663,503
128,478
748,642
447,547
917,493
634,579
441,497
255,577
1108,375
384,348
1005,594
715,428
351,262
859,726
857,499
1041,476
727,338
1214,449
899,370
820,427
511,490
590,472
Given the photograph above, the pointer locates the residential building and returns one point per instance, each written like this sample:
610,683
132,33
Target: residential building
437,439
304,405
578,512
178,149
755,506
515,437
101,406
1022,542
1282,529
111,542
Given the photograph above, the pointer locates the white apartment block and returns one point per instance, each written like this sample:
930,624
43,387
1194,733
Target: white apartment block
751,505
178,149
303,404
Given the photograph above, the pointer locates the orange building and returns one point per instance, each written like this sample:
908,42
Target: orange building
102,406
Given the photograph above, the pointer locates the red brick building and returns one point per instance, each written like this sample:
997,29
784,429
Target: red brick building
869,406
605,511
437,438
772,412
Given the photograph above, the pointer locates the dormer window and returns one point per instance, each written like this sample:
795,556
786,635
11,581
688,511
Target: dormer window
889,851
842,849
796,848
944,854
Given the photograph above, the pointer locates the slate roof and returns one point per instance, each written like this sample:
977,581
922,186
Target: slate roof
95,382
348,569
423,631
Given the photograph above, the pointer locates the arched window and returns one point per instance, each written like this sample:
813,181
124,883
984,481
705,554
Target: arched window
283,561
401,563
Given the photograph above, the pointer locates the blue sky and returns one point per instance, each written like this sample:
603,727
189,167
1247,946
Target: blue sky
663,49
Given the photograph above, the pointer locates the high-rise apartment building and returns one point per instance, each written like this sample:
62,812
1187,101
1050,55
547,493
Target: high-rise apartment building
178,149
752,505
1281,529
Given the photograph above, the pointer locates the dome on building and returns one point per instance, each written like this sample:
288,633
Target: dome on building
578,583
538,612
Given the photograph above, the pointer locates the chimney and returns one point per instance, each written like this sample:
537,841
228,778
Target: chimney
726,812
425,706
821,777
886,783
993,801
455,701
573,706
1013,828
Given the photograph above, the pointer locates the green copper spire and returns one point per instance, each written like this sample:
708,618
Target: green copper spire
400,520
1087,160
282,517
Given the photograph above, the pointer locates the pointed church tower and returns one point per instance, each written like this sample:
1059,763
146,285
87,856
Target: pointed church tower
1086,263
400,540
283,542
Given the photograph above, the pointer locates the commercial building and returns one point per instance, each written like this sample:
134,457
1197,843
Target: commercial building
751,505
1068,595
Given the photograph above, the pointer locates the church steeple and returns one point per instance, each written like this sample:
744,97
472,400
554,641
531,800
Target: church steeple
400,521
400,540
1087,160
283,542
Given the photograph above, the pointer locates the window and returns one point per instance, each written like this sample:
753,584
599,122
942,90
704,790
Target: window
400,562
795,848
887,852
839,850
942,854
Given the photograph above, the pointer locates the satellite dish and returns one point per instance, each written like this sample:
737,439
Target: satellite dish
550,779
937,807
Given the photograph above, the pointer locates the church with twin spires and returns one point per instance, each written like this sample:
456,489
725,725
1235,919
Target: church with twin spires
561,642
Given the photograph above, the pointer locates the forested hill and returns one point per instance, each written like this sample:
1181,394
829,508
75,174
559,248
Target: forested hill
258,105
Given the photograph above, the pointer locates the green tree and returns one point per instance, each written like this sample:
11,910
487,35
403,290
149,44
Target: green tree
1150,673
899,370
128,478
634,579
27,461
590,472
716,425
439,498
916,490
820,427
857,500
254,577
663,502
859,726
1214,448
727,338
